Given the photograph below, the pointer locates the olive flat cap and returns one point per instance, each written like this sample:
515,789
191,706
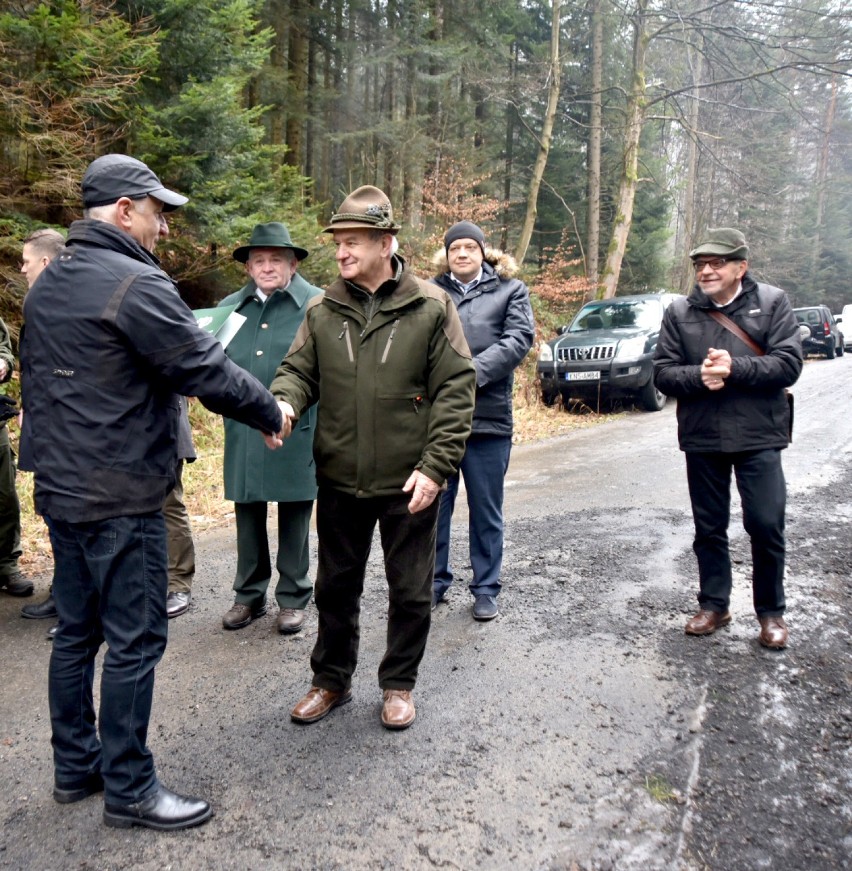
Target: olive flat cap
723,242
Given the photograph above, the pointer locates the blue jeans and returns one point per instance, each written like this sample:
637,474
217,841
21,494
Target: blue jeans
484,466
110,585
760,481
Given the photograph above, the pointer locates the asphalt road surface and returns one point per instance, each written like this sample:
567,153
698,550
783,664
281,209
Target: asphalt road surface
581,729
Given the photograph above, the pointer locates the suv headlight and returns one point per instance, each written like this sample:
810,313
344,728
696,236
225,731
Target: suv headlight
630,348
545,355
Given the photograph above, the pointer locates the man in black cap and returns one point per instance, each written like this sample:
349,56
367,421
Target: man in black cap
727,352
274,303
107,349
497,319
383,355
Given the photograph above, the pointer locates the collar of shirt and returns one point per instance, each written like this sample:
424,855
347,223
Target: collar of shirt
265,296
470,285
722,305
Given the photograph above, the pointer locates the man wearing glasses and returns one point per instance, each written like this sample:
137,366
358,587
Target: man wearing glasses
726,352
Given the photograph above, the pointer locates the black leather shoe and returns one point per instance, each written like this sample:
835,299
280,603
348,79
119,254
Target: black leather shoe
90,784
45,610
177,604
164,810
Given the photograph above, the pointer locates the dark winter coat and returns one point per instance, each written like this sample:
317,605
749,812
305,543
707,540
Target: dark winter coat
253,473
497,320
107,348
394,386
751,411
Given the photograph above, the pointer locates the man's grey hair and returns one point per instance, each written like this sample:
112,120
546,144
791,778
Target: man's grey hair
105,213
46,242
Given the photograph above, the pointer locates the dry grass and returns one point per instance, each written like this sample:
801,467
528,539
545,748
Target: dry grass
203,478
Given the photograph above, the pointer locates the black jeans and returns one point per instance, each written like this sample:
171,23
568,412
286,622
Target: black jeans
345,526
110,584
760,481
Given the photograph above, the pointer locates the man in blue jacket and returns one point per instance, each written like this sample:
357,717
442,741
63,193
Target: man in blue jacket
727,351
497,320
108,348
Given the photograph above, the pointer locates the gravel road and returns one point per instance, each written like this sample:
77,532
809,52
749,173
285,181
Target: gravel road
580,730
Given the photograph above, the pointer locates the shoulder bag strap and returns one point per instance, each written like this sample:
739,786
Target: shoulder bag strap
737,330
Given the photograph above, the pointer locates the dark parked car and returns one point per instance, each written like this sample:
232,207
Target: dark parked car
606,352
820,332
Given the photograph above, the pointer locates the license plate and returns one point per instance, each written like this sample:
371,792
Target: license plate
594,375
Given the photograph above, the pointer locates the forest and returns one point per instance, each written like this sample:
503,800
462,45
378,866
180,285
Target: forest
592,139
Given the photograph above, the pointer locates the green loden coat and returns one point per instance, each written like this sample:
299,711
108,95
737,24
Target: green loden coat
252,472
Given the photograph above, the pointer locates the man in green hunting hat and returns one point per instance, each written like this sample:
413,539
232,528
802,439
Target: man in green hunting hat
273,302
384,357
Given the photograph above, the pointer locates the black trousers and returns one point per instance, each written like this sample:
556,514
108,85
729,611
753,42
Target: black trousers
345,526
760,481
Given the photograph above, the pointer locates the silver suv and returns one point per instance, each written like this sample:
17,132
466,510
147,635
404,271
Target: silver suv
606,353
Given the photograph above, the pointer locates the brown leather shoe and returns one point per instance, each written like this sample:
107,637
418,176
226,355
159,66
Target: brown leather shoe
398,710
773,632
317,703
290,620
241,615
707,622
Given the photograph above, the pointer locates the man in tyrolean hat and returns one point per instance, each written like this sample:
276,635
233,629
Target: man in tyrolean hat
384,357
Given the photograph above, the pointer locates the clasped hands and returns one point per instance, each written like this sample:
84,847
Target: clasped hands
288,416
715,369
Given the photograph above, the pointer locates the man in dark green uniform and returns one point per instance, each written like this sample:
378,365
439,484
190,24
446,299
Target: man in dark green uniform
273,303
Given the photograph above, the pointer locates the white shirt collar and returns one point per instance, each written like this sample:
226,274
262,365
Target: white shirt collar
470,284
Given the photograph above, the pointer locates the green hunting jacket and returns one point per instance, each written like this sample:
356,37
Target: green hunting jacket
393,380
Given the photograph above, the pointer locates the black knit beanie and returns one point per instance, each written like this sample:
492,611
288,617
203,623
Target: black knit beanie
464,230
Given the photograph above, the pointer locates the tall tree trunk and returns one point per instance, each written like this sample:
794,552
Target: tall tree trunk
686,276
593,169
279,21
821,177
297,69
511,121
546,133
630,163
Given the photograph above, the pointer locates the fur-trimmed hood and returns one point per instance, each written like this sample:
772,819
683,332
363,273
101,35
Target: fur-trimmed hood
504,264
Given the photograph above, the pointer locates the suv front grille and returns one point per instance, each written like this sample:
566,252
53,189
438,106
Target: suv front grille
590,352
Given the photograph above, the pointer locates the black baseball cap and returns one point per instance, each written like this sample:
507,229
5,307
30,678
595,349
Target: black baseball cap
113,176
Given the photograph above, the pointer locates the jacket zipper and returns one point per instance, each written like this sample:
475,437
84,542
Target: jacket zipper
390,339
345,334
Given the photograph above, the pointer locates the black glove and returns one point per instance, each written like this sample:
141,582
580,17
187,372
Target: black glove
8,408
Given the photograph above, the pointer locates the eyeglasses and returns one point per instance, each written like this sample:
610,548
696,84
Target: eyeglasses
714,263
